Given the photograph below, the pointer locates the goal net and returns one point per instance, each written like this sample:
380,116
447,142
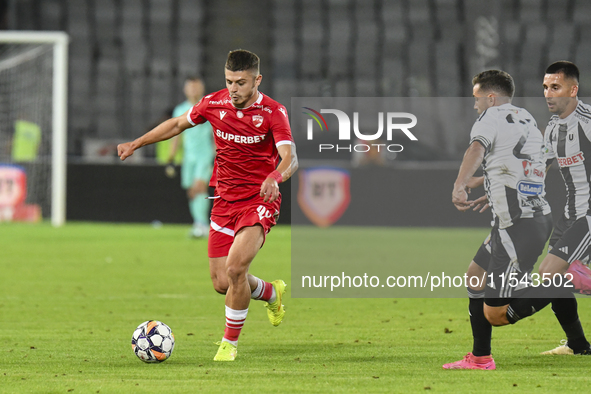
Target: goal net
33,70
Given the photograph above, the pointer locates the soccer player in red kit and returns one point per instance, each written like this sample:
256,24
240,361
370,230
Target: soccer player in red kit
251,131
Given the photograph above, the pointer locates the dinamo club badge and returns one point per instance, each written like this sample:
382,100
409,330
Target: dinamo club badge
324,194
257,120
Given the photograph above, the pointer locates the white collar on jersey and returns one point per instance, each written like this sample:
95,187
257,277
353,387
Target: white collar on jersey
258,101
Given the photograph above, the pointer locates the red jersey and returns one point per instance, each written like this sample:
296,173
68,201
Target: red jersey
246,141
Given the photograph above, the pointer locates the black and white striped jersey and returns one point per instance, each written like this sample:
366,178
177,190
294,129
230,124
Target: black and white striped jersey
568,141
513,163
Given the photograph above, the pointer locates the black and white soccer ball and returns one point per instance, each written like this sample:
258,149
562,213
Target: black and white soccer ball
152,341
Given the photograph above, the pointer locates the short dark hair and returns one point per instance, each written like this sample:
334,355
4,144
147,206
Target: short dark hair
569,69
193,78
496,81
242,60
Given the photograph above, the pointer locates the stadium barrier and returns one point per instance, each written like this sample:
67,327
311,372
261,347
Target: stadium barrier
142,194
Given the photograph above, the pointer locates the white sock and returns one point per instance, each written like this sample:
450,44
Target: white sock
273,296
235,343
256,293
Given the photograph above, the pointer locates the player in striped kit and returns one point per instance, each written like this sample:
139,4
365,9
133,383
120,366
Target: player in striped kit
508,144
568,140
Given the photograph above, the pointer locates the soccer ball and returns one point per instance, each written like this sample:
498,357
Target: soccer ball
152,341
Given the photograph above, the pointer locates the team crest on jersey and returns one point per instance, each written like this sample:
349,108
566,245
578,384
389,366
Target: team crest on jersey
526,167
530,171
257,120
324,194
571,137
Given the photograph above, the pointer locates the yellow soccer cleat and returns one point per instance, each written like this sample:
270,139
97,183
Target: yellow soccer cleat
275,310
563,349
226,352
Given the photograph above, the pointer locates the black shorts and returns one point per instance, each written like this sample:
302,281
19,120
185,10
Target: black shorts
482,257
571,239
511,254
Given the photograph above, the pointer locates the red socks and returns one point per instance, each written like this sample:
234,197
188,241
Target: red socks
234,322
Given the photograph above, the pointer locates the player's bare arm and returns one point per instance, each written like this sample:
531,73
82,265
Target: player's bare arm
284,171
472,160
163,131
475,181
481,203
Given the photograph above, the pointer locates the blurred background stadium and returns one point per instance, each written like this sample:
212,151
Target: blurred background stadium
128,60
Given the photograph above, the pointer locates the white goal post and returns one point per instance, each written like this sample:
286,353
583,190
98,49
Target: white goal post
59,112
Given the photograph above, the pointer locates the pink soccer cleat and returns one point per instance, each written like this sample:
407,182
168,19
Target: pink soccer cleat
471,361
581,279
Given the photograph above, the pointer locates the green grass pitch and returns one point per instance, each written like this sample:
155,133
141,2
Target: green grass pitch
71,297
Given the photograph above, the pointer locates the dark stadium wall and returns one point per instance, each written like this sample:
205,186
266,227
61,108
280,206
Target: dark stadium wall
394,197
3,14
142,194
132,193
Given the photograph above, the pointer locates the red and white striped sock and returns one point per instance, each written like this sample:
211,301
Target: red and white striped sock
234,322
264,291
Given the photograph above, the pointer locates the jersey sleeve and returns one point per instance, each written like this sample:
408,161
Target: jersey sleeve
280,127
196,115
586,127
549,153
484,131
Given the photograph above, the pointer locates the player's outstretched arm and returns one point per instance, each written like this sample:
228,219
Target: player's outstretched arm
284,171
472,160
475,181
481,203
163,131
